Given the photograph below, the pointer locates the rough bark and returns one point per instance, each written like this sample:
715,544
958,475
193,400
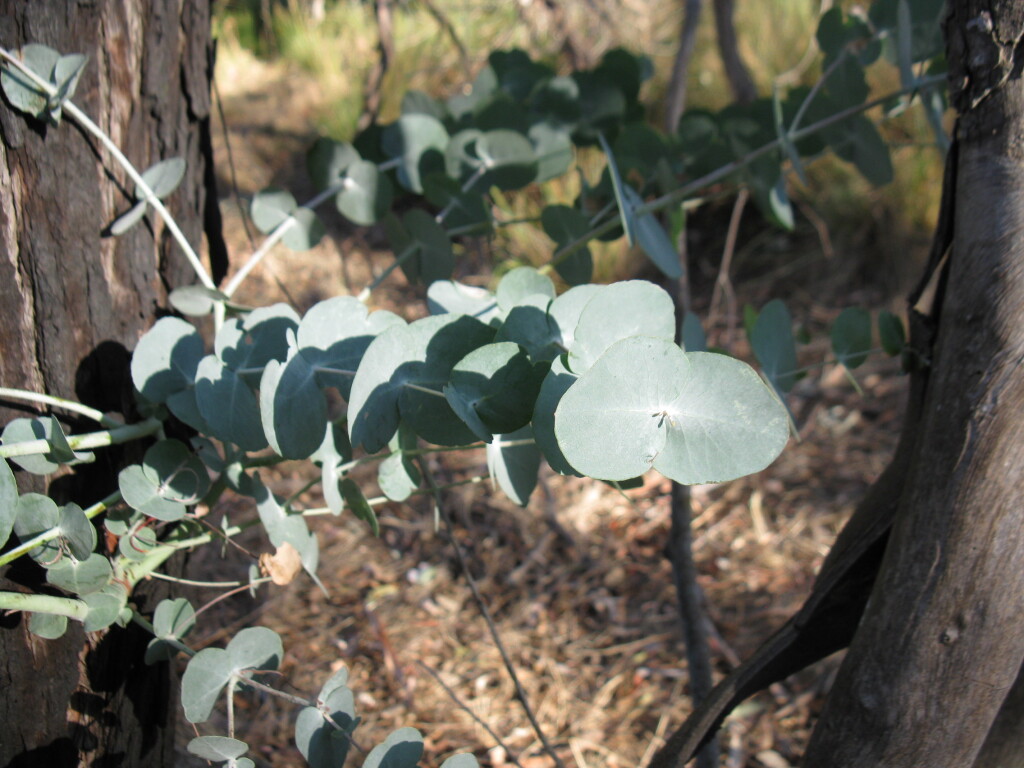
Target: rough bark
941,642
75,302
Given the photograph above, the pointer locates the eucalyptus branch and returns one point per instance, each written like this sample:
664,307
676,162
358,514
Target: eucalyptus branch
410,250
59,402
53,533
442,512
104,439
57,606
274,238
677,195
86,123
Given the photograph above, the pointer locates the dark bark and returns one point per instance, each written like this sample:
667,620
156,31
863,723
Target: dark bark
941,642
743,89
75,302
675,96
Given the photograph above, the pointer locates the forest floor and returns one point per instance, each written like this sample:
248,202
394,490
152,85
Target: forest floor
578,582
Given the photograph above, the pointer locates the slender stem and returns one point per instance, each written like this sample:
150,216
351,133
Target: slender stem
815,89
58,606
673,197
424,390
85,122
45,536
230,693
378,501
121,434
172,641
274,237
193,583
485,612
410,250
60,402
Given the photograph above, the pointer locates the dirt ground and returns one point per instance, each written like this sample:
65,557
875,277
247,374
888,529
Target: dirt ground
578,582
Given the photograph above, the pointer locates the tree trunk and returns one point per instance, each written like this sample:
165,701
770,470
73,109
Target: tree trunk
75,302
941,641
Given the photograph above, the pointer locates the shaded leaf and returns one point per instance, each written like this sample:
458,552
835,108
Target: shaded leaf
166,358
217,747
851,337
771,340
513,461
80,576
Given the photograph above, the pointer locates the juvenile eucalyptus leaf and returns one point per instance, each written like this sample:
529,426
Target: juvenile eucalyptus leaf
513,461
652,238
22,93
246,346
693,336
462,210
416,102
507,158
142,493
525,286
367,194
858,141
8,502
493,389
228,406
163,178
205,677
398,476
282,527
320,742
305,231
178,472
556,383
851,337
174,618
47,625
565,225
105,606
128,219
617,311
461,760
402,748
535,330
38,514
552,146
196,300
462,163
49,429
890,333
328,160
419,141
138,543
398,366
217,748
625,204
293,408
80,577
771,339
557,101
270,208
433,258
567,308
66,73
449,297
77,531
696,417
166,358
356,501
333,337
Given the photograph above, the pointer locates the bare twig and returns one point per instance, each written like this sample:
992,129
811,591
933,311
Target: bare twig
743,88
442,513
465,708
723,285
675,99
386,54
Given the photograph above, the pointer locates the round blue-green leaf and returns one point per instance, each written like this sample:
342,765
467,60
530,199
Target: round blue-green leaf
179,474
322,744
270,208
552,146
513,461
217,748
77,531
771,339
24,94
535,330
142,493
196,300
47,625
508,159
398,476
166,358
328,160
493,389
419,141
461,159
333,337
556,383
525,286
367,194
137,544
398,366
694,339
255,648
450,297
163,178
466,211
247,346
356,501
616,312
65,76
128,219
434,259
105,606
304,231
696,417
565,225
38,514
652,238
402,748
80,576
174,618
43,428
205,677
890,333
851,336
282,527
228,406
8,501
567,309
293,408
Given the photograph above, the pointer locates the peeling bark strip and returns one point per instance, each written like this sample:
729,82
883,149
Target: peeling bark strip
74,304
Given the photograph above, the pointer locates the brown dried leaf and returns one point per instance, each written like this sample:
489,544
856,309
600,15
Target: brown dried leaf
282,566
